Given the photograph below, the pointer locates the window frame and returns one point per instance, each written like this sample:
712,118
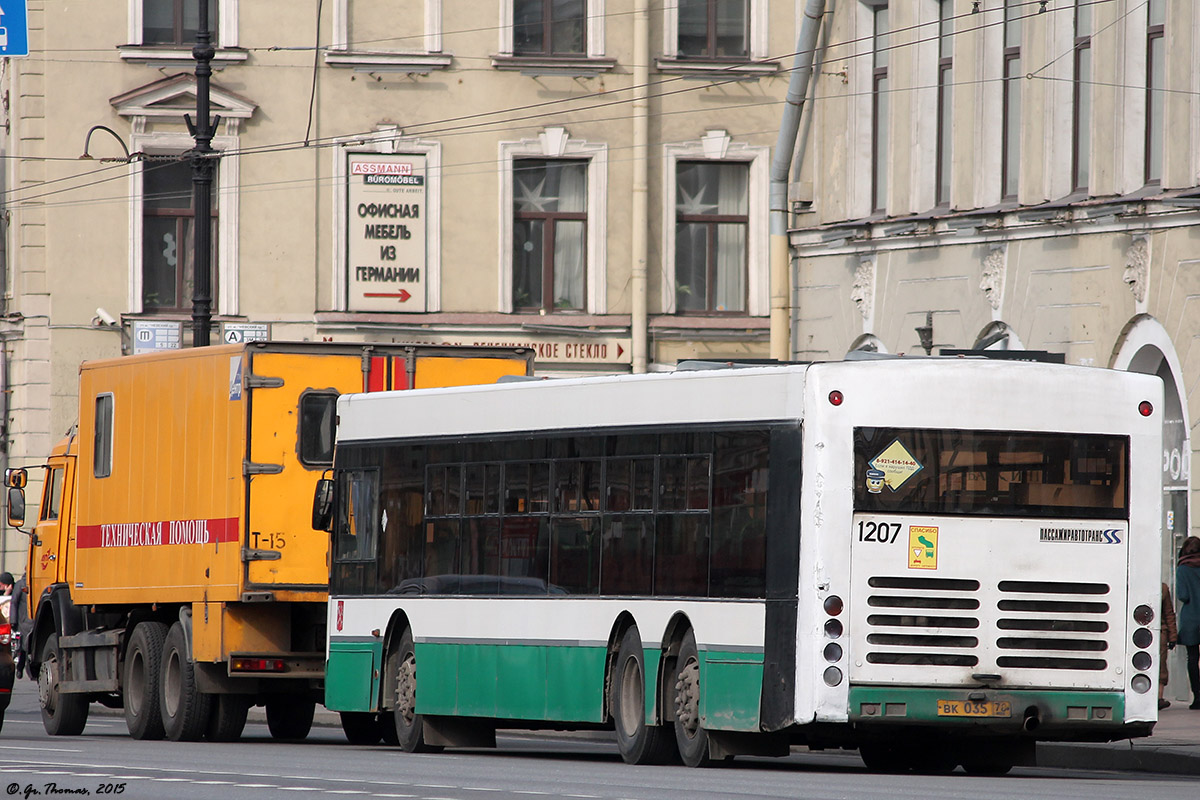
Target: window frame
556,143
880,107
756,61
1156,40
183,219
550,220
225,250
424,59
225,40
1011,105
710,47
103,427
716,145
1081,100
712,224
594,38
943,175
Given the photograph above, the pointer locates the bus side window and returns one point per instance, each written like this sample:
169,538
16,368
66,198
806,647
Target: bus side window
357,523
52,495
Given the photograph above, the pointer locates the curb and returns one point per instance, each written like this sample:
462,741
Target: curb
1171,759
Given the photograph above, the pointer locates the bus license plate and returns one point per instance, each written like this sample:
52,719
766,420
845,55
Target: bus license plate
966,708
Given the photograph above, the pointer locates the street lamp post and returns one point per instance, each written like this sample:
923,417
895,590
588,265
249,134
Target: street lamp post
204,162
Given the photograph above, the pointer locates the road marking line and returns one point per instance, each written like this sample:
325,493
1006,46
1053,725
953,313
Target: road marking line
39,749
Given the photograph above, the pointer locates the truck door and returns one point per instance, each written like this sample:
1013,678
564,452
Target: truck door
48,547
291,417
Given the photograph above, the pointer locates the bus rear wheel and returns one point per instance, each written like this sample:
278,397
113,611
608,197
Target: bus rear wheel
690,736
62,714
143,663
410,727
638,742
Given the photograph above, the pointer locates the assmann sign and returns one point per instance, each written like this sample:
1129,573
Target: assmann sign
385,232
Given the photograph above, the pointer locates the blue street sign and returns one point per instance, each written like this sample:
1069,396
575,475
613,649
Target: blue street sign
14,28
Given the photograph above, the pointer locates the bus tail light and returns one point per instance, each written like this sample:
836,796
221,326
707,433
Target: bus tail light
1145,408
833,605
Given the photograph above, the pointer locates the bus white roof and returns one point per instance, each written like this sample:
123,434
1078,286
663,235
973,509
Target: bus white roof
919,392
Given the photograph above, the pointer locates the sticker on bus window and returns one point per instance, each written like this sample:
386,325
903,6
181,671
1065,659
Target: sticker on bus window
922,547
897,466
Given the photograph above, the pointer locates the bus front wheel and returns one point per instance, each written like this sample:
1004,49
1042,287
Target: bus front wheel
690,735
410,727
638,742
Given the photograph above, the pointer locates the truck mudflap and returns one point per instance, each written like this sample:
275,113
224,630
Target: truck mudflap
90,661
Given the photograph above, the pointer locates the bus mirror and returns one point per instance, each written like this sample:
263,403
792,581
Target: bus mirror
322,510
16,478
16,507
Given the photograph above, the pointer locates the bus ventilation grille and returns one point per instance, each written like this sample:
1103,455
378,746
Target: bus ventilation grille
923,621
1053,625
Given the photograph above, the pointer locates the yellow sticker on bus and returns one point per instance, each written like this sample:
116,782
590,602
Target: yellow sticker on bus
922,547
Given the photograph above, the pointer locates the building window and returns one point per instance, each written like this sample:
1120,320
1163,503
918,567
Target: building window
945,98
1010,167
549,235
1155,84
879,108
714,29
175,22
553,224
168,269
550,27
1082,128
369,33
712,221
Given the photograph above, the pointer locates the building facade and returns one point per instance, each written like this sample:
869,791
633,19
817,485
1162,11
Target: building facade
587,178
1007,174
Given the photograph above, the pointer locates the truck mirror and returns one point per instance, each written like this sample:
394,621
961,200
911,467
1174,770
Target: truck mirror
322,510
16,507
16,478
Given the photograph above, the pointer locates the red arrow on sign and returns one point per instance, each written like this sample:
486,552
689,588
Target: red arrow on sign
402,295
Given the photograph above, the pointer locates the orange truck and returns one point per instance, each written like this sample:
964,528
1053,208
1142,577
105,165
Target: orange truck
174,569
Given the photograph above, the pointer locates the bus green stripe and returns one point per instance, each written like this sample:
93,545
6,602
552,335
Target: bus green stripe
563,683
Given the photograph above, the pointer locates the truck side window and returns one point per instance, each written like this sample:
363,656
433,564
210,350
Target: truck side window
52,499
358,527
103,443
317,428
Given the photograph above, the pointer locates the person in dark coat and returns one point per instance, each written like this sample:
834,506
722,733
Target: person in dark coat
22,624
1168,637
1187,589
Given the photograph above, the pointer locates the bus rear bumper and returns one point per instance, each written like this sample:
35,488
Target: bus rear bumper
1041,714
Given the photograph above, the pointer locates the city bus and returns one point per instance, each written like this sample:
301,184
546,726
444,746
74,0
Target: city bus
937,561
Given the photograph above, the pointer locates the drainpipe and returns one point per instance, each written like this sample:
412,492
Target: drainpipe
802,68
639,282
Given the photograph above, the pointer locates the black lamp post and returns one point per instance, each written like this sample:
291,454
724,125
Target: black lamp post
204,162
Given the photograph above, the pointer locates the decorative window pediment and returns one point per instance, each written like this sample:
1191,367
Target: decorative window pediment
175,96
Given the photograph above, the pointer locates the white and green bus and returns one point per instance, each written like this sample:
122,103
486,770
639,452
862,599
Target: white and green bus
936,561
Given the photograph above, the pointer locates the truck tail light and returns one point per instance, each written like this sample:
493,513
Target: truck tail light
257,665
5,633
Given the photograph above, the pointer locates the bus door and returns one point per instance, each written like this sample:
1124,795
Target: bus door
292,397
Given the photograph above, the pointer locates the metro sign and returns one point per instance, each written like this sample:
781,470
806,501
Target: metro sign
14,29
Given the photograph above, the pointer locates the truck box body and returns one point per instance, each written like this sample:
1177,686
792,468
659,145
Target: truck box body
186,494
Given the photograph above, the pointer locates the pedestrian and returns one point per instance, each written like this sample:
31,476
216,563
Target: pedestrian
1168,635
1187,587
22,625
6,587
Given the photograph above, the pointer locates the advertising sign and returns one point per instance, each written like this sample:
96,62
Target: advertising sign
385,232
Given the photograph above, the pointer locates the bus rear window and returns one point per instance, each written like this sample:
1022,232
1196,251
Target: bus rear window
991,473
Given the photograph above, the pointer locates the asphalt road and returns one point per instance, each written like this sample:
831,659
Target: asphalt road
104,761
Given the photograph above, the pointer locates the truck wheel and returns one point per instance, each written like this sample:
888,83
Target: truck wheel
638,742
62,714
410,727
185,709
361,727
143,664
690,735
290,717
227,719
